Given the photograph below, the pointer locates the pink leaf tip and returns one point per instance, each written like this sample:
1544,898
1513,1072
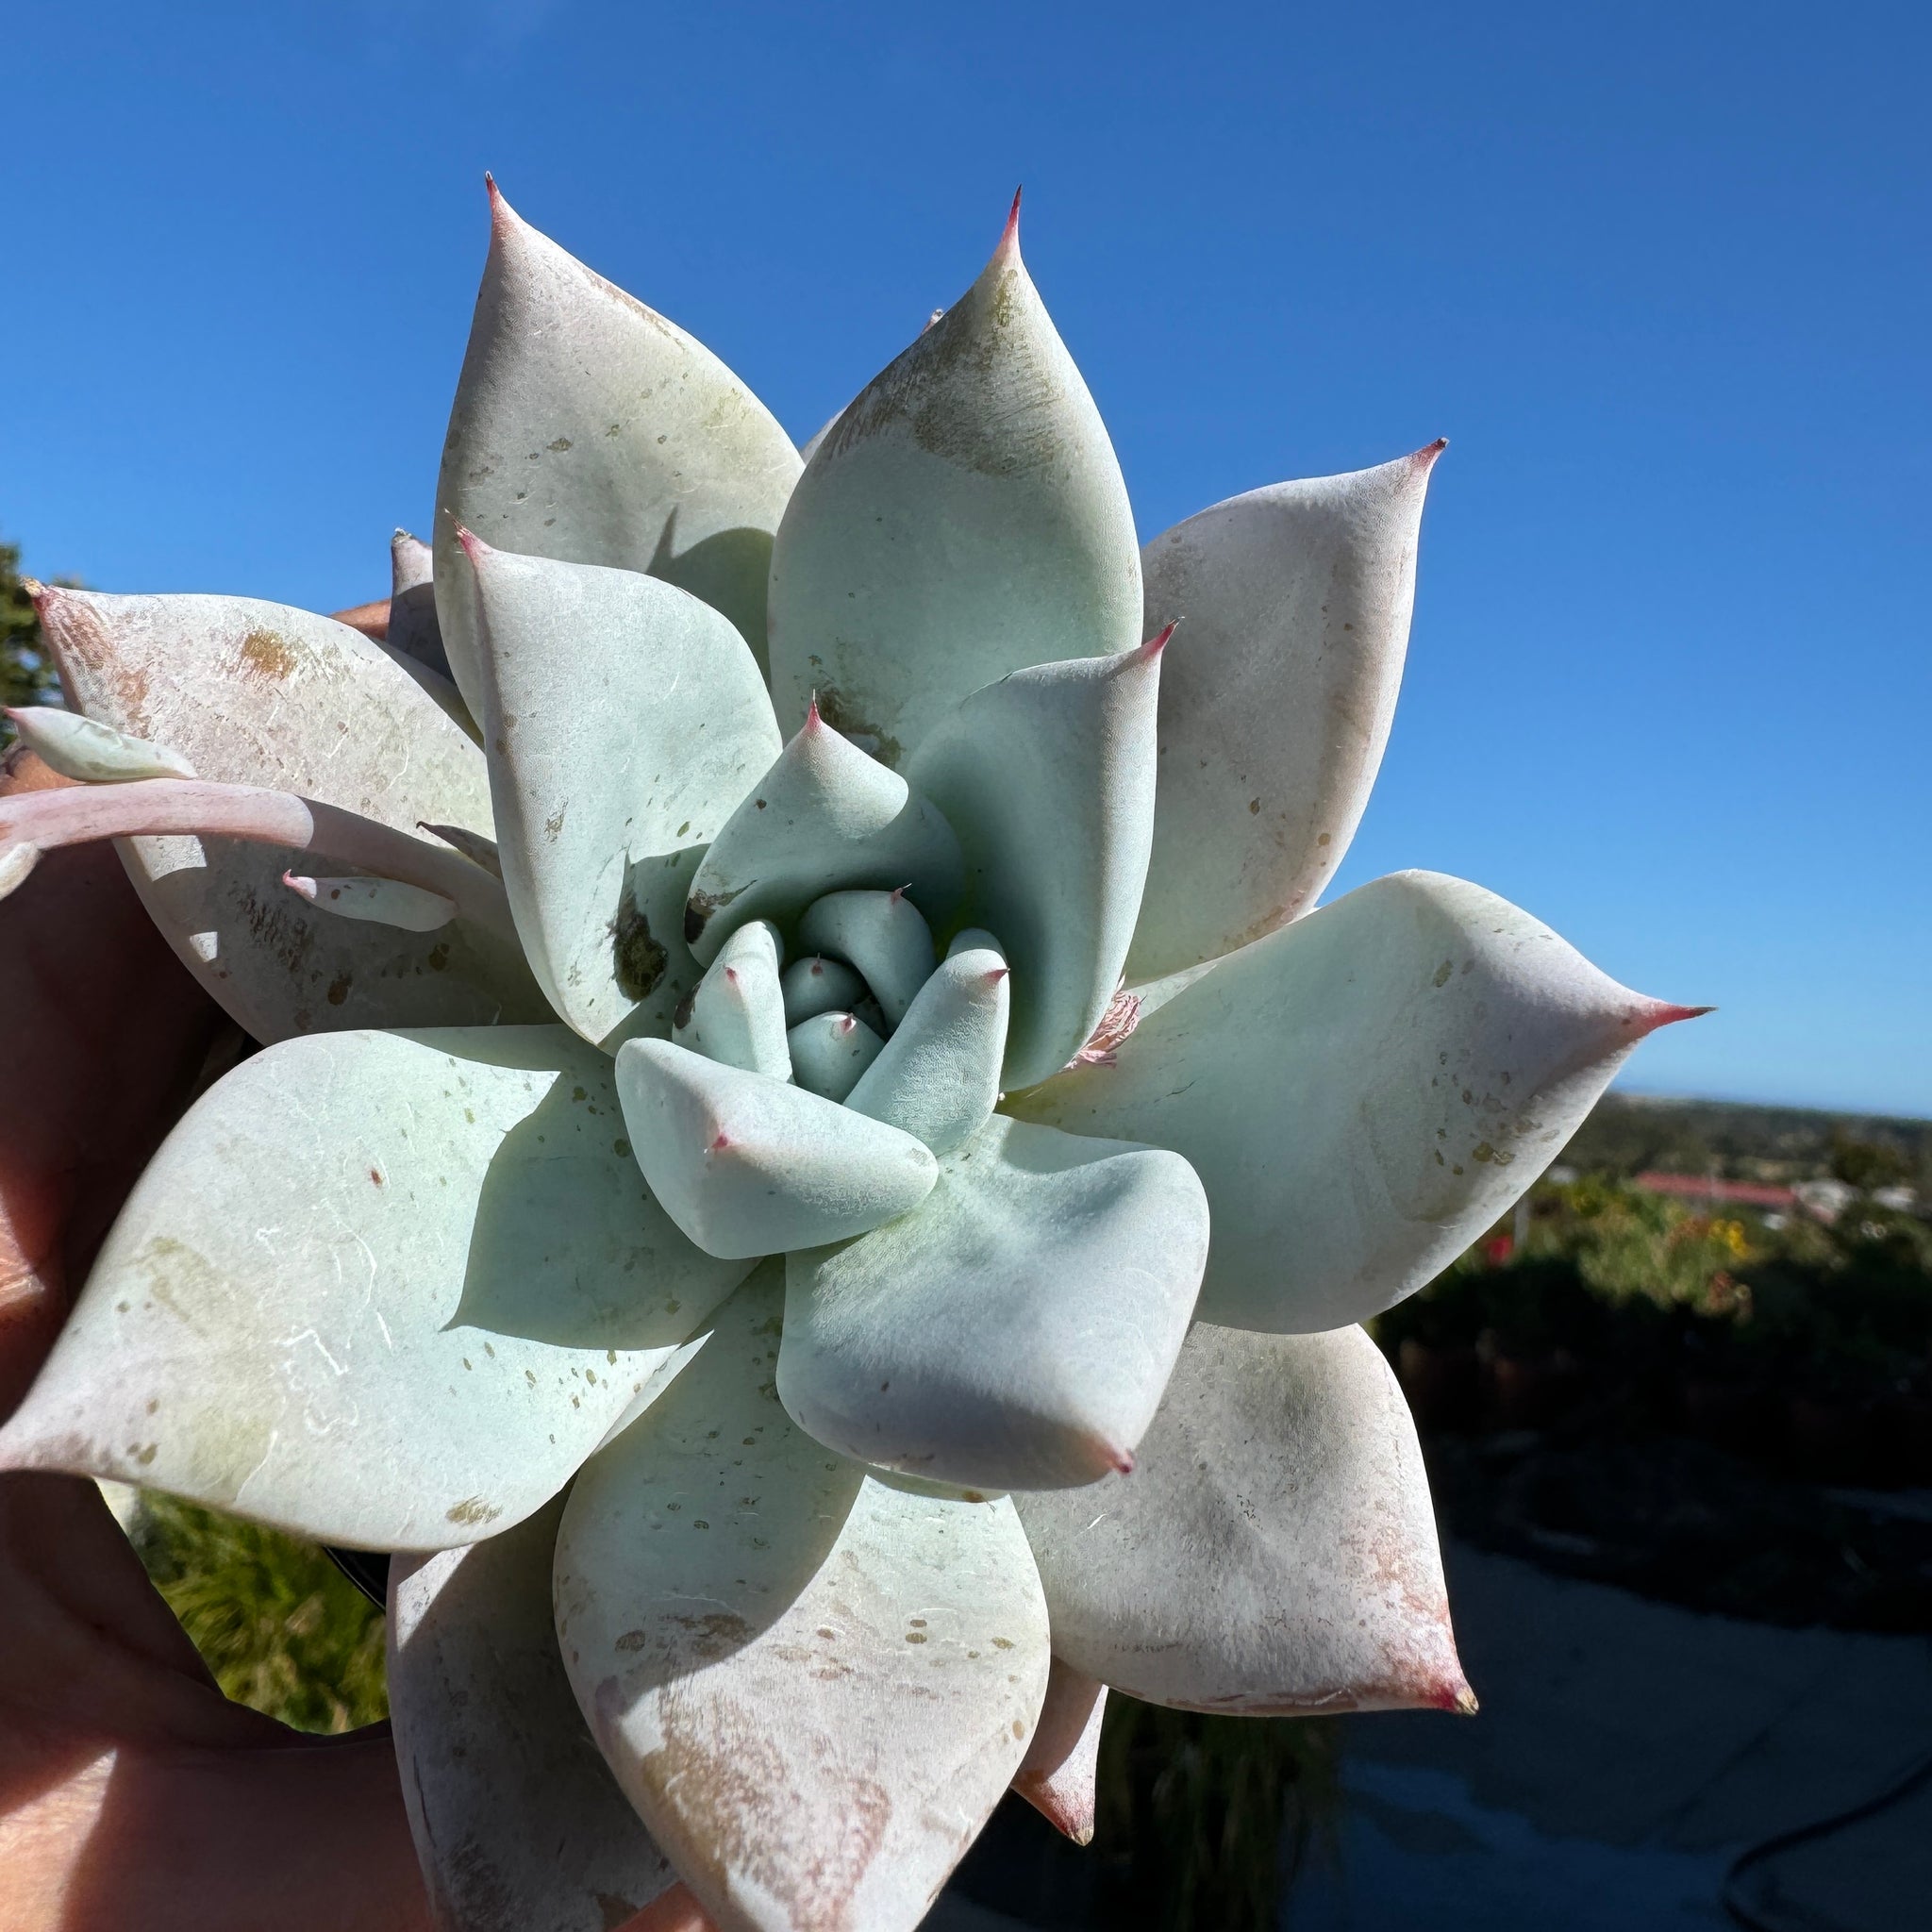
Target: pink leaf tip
1425,458
813,717
1155,645
1009,235
720,1142
1663,1013
998,974
474,546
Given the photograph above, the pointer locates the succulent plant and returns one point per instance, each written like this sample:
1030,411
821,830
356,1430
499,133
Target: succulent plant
811,1159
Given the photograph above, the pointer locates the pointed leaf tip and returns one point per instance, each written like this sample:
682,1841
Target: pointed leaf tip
1664,1014
1425,458
1155,645
1009,235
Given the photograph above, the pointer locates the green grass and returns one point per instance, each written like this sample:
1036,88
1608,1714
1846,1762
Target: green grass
283,1630
1198,1806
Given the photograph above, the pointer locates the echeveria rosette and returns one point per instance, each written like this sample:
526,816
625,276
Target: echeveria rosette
815,1032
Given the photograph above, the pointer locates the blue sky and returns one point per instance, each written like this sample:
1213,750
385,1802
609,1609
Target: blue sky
1660,273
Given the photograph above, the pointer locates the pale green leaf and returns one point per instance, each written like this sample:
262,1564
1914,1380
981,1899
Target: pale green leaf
824,816
1276,703
882,936
253,693
939,1075
830,1054
89,752
1274,1551
813,1684
737,1013
748,1166
1363,1092
1015,1331
1048,779
1062,1763
963,517
588,428
383,1289
624,719
518,1824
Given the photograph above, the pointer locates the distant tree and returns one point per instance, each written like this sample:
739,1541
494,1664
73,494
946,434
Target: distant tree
1868,1165
25,676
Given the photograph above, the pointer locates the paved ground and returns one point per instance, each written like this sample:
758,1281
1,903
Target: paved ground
1626,1753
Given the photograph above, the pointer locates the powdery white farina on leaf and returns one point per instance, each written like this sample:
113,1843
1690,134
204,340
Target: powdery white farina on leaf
926,1251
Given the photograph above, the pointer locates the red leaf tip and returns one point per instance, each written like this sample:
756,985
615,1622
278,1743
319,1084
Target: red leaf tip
1155,645
719,1144
1425,458
813,718
1456,1696
1009,235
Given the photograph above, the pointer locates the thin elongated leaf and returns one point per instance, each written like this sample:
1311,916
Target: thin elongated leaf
1062,1763
89,752
518,1823
588,428
1048,779
623,720
824,817
1364,1091
748,1166
383,1289
964,516
1016,1329
382,902
253,694
939,1075
813,1684
1275,708
1274,1551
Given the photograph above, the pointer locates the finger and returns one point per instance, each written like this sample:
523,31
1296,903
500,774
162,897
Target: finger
674,1910
103,1032
372,619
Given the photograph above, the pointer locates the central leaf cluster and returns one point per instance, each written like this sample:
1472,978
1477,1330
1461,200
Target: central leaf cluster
802,1103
